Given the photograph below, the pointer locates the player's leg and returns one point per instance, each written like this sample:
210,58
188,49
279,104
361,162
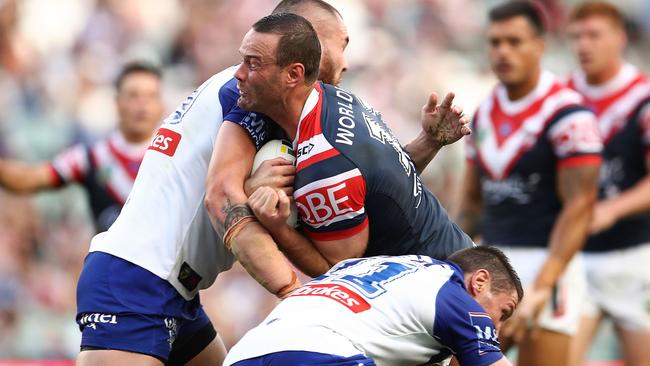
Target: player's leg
197,344
587,330
544,348
213,354
101,357
636,346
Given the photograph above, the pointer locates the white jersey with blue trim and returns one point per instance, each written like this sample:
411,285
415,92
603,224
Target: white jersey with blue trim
164,226
407,310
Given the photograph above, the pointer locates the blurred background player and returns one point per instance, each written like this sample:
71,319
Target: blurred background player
431,310
617,254
107,168
533,173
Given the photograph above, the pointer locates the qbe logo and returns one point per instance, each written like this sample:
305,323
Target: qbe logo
166,141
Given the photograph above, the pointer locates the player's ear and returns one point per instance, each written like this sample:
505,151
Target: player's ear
479,282
295,74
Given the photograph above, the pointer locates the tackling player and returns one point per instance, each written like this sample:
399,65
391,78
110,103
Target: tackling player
408,310
357,191
107,168
532,178
617,255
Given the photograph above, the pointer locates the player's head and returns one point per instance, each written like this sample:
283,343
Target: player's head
597,33
331,31
515,41
281,53
491,280
138,99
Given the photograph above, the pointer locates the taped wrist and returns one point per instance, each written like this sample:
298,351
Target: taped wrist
235,228
286,290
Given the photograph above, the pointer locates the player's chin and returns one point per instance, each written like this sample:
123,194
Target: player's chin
244,103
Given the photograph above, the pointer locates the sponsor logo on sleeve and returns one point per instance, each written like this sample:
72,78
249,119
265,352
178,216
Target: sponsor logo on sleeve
486,333
338,293
166,141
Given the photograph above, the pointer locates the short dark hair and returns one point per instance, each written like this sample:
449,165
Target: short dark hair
136,67
293,6
298,41
504,277
598,8
527,9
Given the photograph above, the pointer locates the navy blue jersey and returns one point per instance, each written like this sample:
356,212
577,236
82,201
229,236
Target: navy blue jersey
352,173
518,148
623,110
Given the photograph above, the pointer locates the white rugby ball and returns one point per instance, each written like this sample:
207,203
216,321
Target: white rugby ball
278,149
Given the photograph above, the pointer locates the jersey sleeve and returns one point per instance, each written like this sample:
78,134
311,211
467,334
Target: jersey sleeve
575,139
331,203
257,125
463,326
71,166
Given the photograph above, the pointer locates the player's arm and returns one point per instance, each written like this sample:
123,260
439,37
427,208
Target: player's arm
225,200
632,201
442,125
24,178
272,207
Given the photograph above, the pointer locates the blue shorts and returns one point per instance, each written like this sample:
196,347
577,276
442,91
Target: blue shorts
303,358
124,307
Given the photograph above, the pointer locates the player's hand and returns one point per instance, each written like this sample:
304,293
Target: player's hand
271,207
276,173
444,123
604,218
525,319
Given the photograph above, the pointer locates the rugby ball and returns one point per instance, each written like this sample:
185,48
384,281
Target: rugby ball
271,150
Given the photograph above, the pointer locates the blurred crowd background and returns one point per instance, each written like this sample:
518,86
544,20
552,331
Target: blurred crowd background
58,60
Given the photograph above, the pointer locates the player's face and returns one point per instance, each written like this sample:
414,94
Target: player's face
597,43
333,36
498,305
139,105
258,75
515,50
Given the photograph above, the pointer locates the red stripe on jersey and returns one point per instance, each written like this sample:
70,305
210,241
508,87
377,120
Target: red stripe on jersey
600,105
55,178
130,165
499,118
310,125
336,235
317,158
581,160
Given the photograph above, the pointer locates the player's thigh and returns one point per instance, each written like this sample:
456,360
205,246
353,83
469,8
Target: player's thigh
544,348
636,346
213,354
113,357
580,343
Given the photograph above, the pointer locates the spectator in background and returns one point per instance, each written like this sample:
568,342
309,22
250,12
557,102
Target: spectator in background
107,168
617,254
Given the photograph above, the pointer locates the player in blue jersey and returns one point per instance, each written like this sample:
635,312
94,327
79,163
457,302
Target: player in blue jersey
404,310
357,190
532,180
617,255
107,168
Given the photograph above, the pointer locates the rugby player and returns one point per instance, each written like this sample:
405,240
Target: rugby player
107,168
532,180
617,254
357,191
405,310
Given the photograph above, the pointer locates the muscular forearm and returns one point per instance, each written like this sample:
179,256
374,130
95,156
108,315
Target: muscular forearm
22,178
422,150
634,201
258,254
301,252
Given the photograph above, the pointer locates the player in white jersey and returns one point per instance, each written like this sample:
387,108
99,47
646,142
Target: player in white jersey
532,180
405,310
107,168
617,254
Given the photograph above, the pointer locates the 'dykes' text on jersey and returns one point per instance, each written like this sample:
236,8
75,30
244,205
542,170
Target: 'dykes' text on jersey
518,148
351,173
622,106
105,169
164,226
408,310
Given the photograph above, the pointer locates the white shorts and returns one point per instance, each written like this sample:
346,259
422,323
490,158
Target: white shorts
618,285
562,313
